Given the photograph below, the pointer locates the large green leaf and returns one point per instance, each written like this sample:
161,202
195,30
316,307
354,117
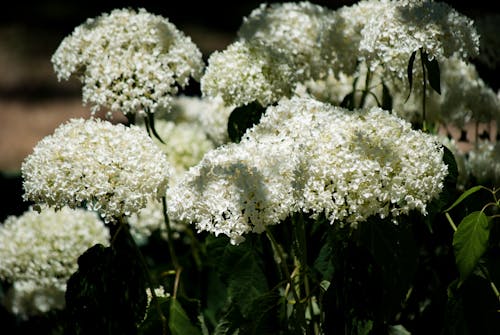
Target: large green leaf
470,242
107,294
433,73
409,71
179,322
242,118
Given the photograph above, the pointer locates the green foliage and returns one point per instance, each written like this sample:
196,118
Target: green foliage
242,118
107,294
470,242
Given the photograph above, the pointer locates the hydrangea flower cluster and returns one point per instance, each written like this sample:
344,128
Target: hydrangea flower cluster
483,163
403,27
128,61
210,113
245,72
106,167
39,252
311,157
184,144
295,30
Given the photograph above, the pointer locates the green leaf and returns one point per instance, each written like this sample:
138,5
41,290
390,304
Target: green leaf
348,101
386,98
433,73
243,118
107,294
179,322
470,242
464,195
409,71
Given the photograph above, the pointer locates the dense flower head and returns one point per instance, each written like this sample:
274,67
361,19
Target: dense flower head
342,36
129,61
246,72
295,30
404,27
483,163
310,157
464,97
39,251
184,143
236,189
210,113
106,167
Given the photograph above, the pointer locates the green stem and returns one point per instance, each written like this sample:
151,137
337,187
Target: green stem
301,250
282,260
366,89
171,249
124,227
452,224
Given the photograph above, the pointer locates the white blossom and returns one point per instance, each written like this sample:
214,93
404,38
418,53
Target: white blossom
106,167
39,252
403,27
246,72
311,157
483,163
293,29
129,61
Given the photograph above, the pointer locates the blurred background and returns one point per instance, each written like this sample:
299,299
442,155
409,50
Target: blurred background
33,102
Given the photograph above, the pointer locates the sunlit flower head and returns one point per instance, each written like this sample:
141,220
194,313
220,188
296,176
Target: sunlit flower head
106,167
246,72
310,157
389,39
128,61
293,29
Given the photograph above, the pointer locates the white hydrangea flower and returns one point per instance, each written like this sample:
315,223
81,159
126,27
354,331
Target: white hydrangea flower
342,36
464,97
246,72
210,113
106,167
184,144
483,163
129,61
357,164
294,30
237,188
39,252
311,157
389,38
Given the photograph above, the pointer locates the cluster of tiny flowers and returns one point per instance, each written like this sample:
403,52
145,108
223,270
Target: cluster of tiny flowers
246,72
237,188
210,113
184,144
311,157
464,97
404,27
483,163
151,219
342,37
109,168
128,61
358,164
294,30
39,252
